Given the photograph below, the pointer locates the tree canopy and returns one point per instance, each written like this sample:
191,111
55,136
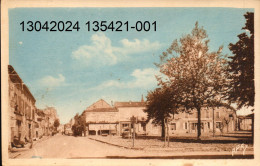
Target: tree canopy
159,106
195,75
56,123
79,125
242,87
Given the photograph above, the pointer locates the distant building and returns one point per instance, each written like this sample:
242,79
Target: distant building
41,123
50,114
245,122
224,121
60,129
102,118
26,122
128,110
67,129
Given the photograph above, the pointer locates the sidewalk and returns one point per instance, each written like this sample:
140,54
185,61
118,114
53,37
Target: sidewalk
155,144
13,152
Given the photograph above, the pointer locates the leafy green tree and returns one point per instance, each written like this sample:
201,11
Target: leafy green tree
159,106
75,126
196,76
79,125
56,123
82,122
242,89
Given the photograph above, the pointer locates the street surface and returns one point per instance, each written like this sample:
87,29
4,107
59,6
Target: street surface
62,146
70,147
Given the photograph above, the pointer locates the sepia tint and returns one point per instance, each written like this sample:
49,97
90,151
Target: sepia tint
131,83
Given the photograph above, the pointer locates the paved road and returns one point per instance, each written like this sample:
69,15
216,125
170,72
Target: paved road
61,146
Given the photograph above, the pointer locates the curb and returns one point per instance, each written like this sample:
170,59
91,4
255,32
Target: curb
121,146
166,150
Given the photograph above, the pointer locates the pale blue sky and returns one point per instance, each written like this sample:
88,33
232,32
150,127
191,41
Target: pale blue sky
71,70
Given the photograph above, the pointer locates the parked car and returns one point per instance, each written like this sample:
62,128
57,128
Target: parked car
142,133
113,132
68,132
54,133
104,134
126,133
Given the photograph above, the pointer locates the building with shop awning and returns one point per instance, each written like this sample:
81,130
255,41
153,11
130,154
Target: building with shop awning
104,119
101,118
127,110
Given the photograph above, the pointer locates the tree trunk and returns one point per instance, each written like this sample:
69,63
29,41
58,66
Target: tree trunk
227,127
213,122
253,127
199,123
163,128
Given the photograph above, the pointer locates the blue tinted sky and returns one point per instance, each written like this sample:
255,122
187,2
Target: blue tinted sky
71,70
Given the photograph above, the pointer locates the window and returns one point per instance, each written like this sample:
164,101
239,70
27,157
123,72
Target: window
33,114
143,126
173,126
218,114
19,104
208,125
194,126
218,125
186,125
207,114
202,126
21,107
15,98
15,102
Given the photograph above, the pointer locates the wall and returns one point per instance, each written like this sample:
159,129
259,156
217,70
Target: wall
125,113
98,117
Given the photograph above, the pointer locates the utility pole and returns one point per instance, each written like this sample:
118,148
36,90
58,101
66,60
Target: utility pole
133,121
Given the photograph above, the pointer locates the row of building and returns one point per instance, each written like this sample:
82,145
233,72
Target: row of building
26,121
103,118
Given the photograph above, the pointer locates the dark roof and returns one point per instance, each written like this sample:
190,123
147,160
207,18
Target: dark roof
26,89
249,116
102,110
129,104
15,78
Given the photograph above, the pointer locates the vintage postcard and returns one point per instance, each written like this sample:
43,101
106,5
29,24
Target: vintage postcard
130,83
